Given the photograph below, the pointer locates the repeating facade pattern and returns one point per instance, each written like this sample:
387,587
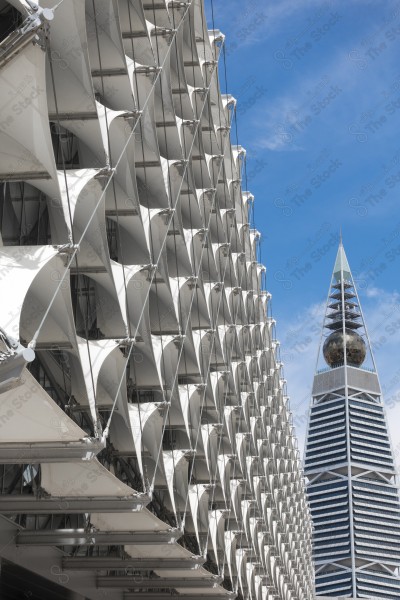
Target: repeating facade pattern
349,461
146,440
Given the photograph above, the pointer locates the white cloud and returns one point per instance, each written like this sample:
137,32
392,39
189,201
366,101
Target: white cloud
278,12
286,119
332,88
372,292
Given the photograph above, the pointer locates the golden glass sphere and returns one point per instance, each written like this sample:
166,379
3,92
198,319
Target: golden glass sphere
333,349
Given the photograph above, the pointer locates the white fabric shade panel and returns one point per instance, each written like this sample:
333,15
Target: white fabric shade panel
217,526
33,274
103,369
175,467
190,397
82,479
25,141
159,551
83,195
146,425
198,502
28,414
71,68
143,520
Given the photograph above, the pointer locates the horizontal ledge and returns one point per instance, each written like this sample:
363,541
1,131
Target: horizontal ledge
49,452
133,582
122,212
78,116
79,537
13,504
82,270
127,35
161,6
23,176
165,332
108,72
67,346
90,563
147,163
64,345
167,596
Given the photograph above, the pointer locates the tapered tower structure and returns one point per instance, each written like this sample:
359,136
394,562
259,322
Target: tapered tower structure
349,461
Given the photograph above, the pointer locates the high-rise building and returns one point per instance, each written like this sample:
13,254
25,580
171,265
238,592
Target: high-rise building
146,440
349,462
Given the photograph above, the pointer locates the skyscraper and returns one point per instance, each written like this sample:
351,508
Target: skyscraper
146,440
349,461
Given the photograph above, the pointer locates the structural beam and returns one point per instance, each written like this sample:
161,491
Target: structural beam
132,582
80,537
19,504
49,452
167,596
101,563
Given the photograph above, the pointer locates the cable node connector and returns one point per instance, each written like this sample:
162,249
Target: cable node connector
105,173
68,249
13,358
37,18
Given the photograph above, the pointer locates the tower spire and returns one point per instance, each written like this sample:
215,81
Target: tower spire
342,268
344,334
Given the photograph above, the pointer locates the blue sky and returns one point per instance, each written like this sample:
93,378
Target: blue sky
318,91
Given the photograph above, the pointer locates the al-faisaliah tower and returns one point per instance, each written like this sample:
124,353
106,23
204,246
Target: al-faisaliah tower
349,461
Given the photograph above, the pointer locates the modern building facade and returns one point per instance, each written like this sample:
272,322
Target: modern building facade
349,461
146,439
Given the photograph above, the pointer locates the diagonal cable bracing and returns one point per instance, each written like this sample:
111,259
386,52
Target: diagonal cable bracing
32,343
